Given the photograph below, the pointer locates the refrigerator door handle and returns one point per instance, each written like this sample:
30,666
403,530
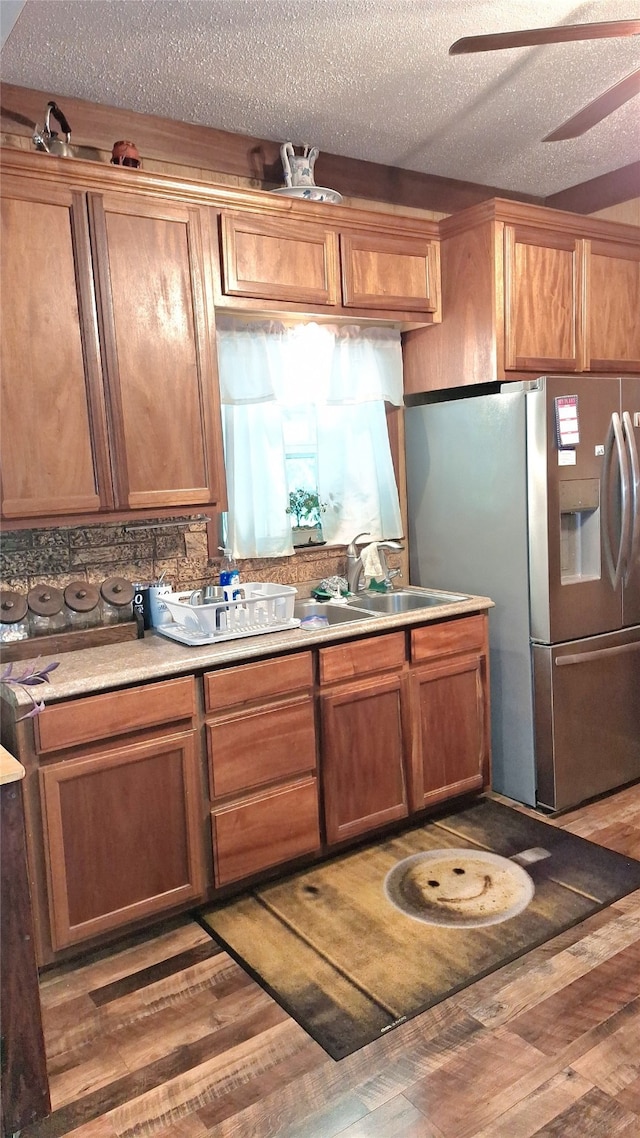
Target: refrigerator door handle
615,439
598,654
634,464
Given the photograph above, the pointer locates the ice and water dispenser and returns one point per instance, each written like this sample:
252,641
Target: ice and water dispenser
580,521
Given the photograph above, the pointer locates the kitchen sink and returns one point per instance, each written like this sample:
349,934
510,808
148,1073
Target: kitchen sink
402,600
335,614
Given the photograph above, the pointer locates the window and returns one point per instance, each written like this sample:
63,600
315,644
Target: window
304,408
305,505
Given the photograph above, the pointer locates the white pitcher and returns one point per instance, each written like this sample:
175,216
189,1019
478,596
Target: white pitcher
298,168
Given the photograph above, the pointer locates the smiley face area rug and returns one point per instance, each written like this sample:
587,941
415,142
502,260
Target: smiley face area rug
356,945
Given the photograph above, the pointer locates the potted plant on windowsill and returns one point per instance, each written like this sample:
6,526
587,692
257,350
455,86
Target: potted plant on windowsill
306,509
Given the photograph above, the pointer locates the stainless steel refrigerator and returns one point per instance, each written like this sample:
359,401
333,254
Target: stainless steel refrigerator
531,496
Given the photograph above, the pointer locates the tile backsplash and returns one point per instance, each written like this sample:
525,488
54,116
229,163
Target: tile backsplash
177,548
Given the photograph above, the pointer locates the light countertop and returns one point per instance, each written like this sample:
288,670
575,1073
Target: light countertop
155,657
10,769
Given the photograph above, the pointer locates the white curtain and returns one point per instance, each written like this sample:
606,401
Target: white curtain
343,375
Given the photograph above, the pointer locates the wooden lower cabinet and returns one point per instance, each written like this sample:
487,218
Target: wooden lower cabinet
123,836
261,747
363,746
408,729
121,800
450,711
284,757
364,726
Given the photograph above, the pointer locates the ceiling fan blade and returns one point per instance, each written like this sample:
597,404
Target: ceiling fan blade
533,37
599,109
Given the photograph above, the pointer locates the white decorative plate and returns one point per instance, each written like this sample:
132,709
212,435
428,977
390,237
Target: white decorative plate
310,194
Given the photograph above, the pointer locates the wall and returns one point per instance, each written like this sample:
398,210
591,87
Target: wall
626,212
177,550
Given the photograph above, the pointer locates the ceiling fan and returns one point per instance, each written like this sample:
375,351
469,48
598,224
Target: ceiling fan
601,107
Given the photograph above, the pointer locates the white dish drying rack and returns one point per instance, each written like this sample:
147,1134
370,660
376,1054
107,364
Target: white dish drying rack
262,607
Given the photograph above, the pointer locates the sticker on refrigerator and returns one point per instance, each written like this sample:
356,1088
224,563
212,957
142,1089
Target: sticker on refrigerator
567,427
567,458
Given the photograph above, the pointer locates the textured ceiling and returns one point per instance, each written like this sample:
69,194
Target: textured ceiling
370,79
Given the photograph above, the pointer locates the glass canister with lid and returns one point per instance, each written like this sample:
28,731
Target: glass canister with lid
116,599
83,604
14,620
46,610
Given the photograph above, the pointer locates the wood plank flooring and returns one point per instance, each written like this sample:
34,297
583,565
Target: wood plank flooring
163,1034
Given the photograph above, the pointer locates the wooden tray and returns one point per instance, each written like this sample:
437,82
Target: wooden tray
57,642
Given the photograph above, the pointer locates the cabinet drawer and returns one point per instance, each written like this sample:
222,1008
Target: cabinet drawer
253,748
265,831
232,686
361,658
434,640
114,713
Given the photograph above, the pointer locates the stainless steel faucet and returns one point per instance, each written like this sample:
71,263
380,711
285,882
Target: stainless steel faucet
354,563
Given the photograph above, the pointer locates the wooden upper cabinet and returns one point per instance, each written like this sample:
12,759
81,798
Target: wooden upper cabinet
313,266
543,282
529,291
613,307
53,429
389,272
110,399
151,258
279,259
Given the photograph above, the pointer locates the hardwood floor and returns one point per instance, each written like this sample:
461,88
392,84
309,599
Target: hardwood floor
165,1035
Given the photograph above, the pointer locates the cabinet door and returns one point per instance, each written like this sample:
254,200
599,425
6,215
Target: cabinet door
152,264
273,259
364,733
613,307
52,429
543,301
450,748
387,272
264,831
123,836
